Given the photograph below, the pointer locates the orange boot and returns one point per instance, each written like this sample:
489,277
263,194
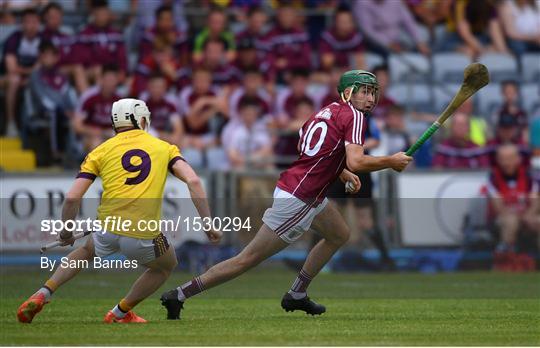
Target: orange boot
129,318
28,310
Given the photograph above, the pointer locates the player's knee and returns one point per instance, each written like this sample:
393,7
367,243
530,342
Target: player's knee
172,265
246,260
342,236
87,252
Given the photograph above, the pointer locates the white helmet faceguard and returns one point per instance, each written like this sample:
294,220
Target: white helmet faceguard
128,112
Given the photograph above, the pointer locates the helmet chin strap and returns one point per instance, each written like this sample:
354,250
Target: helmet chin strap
346,99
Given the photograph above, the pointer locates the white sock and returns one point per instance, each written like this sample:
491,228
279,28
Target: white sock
297,295
45,292
118,312
181,296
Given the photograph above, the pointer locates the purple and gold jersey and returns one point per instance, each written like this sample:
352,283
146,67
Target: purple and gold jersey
133,167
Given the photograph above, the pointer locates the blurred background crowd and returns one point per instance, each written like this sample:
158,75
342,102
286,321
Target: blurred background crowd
232,81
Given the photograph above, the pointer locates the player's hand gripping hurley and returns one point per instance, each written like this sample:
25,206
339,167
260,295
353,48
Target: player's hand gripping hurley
475,77
59,242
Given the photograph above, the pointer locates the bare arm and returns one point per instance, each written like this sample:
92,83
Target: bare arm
496,34
464,30
72,205
197,116
357,161
184,172
74,197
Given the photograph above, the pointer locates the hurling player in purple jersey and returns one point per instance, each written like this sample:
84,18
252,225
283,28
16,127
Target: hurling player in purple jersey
330,146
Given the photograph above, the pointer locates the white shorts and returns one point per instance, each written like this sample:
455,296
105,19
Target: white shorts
142,250
289,216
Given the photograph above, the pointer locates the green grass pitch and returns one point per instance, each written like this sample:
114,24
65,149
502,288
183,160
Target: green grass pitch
362,309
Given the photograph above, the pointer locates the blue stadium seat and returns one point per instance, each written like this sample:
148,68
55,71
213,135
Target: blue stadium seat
417,96
448,67
489,99
371,60
530,67
530,98
409,67
443,94
501,66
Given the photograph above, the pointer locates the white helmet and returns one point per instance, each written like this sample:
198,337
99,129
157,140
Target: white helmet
128,112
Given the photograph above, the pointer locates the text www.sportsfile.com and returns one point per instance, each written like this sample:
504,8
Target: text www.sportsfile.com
117,223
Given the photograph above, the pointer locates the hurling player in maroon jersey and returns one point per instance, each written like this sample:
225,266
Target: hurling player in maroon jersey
330,146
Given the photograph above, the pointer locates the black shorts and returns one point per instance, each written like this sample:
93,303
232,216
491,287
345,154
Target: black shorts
362,198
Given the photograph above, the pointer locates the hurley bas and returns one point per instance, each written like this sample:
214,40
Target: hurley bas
97,263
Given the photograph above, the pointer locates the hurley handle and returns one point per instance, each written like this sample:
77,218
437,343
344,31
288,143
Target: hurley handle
427,134
58,243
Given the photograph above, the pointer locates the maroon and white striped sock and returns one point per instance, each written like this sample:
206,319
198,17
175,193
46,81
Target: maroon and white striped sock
300,285
191,288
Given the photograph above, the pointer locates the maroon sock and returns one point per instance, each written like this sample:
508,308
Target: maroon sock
301,282
191,288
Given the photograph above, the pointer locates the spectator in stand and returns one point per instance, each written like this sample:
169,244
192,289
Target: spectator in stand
146,9
252,88
99,44
430,13
286,147
341,43
65,40
382,22
479,129
394,136
332,95
165,31
535,147
521,23
160,61
249,59
385,101
20,55
256,31
458,151
289,97
473,28
200,106
165,117
92,120
215,30
288,43
514,205
224,74
508,132
53,30
511,106
52,102
250,144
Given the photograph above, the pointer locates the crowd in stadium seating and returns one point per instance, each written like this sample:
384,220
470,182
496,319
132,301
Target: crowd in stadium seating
233,90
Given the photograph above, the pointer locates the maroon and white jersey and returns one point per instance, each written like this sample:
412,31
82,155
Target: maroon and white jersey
96,108
322,151
163,112
290,44
341,47
101,46
63,41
